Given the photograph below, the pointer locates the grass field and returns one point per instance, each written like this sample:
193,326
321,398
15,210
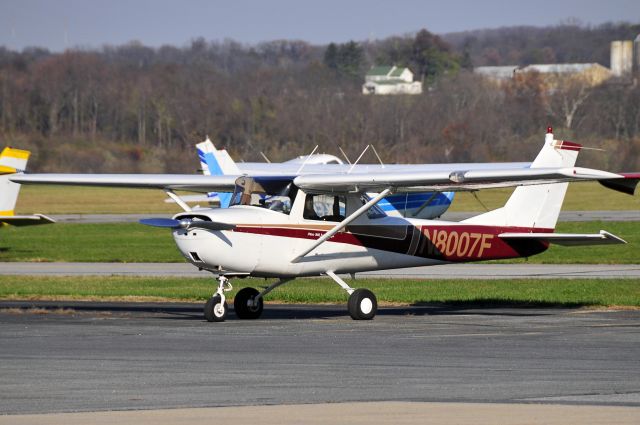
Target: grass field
131,242
88,200
122,242
522,293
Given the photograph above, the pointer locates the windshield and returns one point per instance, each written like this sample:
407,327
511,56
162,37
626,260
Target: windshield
272,194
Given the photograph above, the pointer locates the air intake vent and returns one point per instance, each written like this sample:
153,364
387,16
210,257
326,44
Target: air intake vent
195,257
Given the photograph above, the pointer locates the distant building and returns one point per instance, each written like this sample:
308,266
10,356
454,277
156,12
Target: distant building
498,73
625,60
390,80
636,55
593,73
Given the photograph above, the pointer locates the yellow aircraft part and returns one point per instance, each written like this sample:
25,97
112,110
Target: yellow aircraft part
15,153
7,170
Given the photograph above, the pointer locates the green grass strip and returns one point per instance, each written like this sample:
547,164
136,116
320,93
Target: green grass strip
521,292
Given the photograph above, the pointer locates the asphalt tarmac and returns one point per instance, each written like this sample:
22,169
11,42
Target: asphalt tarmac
448,271
78,356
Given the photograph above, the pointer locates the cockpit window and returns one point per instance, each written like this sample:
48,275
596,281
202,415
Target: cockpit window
269,194
324,207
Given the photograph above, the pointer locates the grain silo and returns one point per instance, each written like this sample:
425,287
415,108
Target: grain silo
621,57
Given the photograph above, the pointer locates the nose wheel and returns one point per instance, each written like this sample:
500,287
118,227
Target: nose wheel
215,310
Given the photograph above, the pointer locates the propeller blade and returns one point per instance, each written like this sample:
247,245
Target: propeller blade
211,225
186,224
161,222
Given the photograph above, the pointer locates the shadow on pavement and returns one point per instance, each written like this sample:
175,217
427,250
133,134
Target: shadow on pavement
193,311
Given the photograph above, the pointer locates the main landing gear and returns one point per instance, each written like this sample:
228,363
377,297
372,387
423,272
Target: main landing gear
362,304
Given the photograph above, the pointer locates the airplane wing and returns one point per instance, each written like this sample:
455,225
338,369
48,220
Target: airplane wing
188,182
452,179
446,180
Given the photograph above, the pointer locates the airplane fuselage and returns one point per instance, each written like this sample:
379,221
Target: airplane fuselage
264,243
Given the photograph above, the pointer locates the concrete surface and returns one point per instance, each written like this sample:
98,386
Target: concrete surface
449,271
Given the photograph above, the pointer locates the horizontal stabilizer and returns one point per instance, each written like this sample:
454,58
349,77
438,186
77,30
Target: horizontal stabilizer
626,185
26,220
566,239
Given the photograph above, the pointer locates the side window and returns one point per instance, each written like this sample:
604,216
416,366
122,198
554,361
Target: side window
373,212
325,208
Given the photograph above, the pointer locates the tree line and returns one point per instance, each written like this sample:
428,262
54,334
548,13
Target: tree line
139,109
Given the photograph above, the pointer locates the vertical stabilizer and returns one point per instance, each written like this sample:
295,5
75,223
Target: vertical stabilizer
216,162
536,206
12,161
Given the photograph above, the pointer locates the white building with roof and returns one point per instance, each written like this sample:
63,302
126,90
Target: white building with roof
390,80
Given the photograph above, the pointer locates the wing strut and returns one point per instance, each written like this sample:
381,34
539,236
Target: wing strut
343,223
178,200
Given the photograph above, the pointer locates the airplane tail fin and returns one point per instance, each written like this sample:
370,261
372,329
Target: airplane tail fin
216,162
536,206
12,161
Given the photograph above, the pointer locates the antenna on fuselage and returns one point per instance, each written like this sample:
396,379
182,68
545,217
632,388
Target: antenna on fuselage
307,159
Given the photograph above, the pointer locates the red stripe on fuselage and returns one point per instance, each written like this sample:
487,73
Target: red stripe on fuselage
461,243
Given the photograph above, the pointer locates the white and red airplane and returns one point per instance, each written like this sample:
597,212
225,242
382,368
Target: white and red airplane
323,224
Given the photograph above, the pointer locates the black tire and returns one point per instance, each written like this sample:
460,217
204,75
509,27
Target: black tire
241,304
362,305
214,310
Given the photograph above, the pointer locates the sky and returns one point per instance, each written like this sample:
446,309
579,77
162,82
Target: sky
60,24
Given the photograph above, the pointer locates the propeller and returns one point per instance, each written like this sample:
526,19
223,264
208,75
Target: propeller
186,223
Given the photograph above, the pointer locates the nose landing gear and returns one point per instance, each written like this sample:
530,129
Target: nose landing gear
248,302
215,310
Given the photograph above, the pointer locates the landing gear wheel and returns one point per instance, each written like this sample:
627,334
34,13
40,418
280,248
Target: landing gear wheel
362,305
215,310
243,304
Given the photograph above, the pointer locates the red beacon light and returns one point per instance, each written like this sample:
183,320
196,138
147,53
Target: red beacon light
549,130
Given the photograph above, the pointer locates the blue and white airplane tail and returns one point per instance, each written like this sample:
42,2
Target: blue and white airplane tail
216,162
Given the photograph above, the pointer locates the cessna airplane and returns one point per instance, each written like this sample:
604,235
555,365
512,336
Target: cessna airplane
291,233
14,161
